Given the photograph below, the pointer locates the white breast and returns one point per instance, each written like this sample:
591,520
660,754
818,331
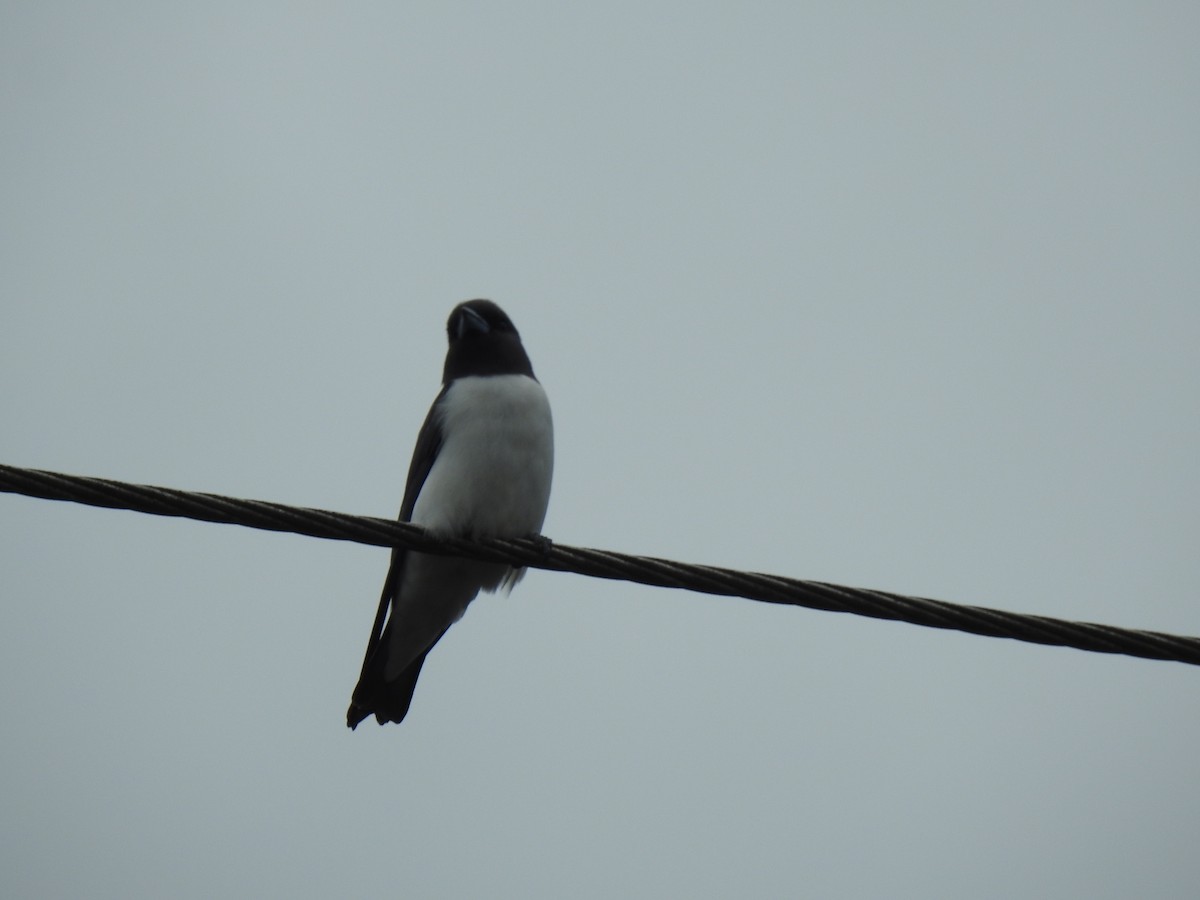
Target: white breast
492,475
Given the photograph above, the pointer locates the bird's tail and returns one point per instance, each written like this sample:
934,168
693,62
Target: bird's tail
387,700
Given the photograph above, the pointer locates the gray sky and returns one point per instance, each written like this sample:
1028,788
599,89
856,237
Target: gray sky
899,299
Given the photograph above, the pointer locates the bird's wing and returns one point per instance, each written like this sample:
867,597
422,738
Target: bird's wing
429,442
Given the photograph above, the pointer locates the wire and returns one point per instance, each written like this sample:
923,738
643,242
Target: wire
542,553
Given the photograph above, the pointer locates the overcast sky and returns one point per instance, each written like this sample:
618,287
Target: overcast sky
896,298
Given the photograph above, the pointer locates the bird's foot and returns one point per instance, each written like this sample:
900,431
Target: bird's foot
542,544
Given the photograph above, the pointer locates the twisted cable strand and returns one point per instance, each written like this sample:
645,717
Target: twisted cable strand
648,570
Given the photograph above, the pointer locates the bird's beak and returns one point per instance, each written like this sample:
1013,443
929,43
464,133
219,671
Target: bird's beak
470,320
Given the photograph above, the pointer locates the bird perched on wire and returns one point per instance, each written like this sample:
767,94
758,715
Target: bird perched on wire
481,468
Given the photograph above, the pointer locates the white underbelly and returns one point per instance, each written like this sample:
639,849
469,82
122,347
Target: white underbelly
492,474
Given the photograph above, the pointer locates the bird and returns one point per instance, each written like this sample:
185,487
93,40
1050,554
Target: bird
482,467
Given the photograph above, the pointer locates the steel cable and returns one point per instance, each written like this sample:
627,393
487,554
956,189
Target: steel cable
544,554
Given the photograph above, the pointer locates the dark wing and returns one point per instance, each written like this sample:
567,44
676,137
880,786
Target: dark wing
429,443
370,693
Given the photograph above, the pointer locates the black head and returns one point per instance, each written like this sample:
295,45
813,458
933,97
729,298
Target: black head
483,341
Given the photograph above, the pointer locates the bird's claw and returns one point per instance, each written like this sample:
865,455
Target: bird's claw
542,544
